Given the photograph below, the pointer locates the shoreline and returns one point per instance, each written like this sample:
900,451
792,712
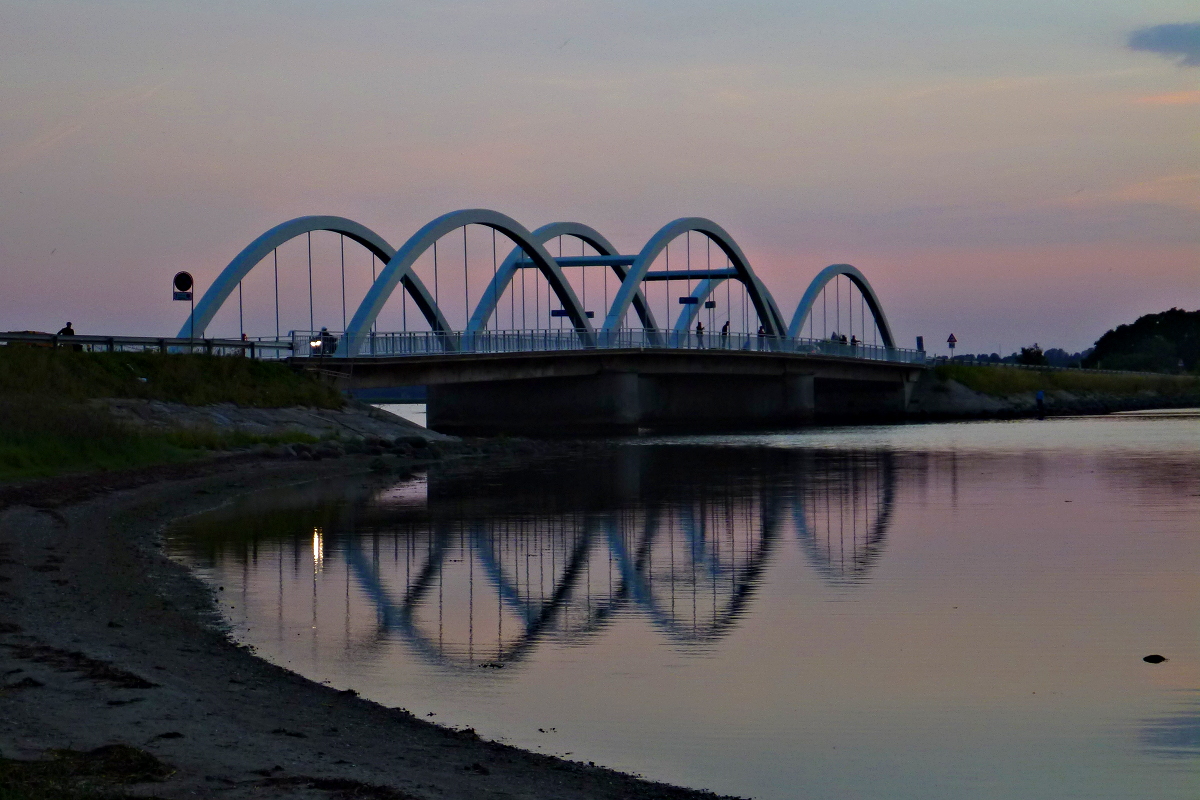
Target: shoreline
106,640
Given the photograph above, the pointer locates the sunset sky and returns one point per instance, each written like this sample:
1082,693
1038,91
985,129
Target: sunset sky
1010,172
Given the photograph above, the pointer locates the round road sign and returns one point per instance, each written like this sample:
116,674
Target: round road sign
183,281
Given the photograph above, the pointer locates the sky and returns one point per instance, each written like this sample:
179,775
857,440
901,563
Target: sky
1009,172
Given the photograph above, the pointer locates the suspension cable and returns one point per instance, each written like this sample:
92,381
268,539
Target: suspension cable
310,285
466,284
435,277
495,310
275,252
342,251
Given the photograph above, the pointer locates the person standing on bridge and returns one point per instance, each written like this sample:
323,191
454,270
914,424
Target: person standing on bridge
725,335
700,335
67,330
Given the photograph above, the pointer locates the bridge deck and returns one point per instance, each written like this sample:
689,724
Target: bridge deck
455,368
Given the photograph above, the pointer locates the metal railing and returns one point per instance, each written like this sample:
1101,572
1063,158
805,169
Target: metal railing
425,343
252,348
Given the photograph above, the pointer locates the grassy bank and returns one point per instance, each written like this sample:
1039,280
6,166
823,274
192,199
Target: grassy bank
47,428
189,379
1007,381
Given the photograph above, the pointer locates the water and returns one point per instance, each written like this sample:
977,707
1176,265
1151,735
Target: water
925,611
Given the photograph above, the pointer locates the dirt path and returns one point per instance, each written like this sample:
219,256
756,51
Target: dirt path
103,640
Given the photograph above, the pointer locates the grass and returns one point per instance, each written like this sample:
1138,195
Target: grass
1006,381
47,428
74,775
189,379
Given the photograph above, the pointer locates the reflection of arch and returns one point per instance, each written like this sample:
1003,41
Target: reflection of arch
257,250
400,614
727,577
764,304
399,268
844,483
814,291
638,578
508,270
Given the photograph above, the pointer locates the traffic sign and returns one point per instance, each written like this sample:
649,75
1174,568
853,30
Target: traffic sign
182,281
952,341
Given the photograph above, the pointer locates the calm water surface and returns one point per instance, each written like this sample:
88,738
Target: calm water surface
923,611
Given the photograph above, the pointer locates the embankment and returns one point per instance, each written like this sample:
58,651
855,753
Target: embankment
64,412
959,391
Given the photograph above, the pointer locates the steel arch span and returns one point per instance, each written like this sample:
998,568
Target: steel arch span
399,268
509,269
256,251
530,250
804,309
764,304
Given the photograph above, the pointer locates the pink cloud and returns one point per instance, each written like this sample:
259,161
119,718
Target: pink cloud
1188,98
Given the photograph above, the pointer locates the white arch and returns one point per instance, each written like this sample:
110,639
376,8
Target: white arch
507,272
764,304
256,251
818,283
400,268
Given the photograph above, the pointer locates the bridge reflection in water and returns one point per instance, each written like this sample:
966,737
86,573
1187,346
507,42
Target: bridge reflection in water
477,567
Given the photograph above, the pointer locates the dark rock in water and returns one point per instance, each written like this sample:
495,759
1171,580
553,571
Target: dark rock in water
1154,659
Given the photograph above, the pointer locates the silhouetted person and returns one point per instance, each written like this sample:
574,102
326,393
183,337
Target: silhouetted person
762,332
328,342
69,331
725,333
853,340
700,334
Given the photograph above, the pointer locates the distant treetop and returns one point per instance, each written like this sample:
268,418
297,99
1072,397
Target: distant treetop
1164,342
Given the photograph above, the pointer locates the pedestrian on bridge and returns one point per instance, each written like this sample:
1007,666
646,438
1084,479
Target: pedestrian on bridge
67,330
725,335
700,335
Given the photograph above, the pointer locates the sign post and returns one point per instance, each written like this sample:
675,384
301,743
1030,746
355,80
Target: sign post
952,341
182,290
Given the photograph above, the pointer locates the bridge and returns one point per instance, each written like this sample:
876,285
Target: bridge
572,374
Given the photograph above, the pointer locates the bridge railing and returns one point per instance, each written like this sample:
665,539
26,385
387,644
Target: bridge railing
424,343
251,348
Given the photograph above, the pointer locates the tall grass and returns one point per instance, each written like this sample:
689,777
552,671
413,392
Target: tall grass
190,379
1007,381
46,427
